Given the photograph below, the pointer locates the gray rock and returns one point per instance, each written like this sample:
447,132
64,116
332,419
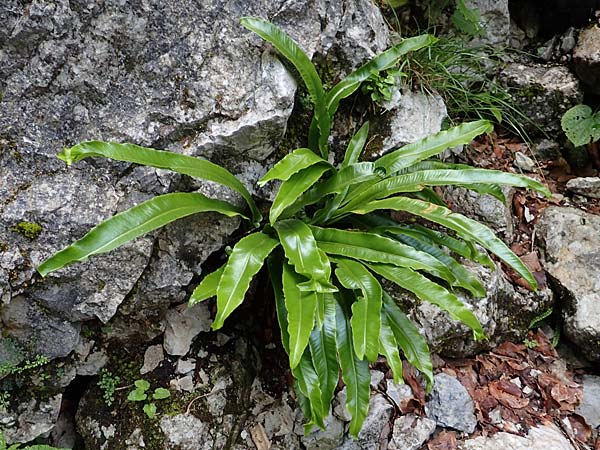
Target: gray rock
153,356
44,333
494,19
586,58
543,93
450,405
376,427
186,432
409,117
568,238
589,408
339,406
398,392
32,419
376,378
328,439
586,186
484,208
185,366
540,438
524,162
92,364
183,326
546,150
410,432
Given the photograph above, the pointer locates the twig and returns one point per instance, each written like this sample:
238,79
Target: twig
189,406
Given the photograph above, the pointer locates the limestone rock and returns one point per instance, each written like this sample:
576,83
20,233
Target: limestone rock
586,186
494,19
153,356
586,58
450,405
589,408
410,432
376,427
543,92
541,438
32,419
571,256
328,439
183,326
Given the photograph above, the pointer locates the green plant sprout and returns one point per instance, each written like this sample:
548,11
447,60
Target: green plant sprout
328,241
107,384
140,394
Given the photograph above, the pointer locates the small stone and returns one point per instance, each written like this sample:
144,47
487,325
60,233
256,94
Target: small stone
589,408
183,384
259,437
524,162
376,378
185,366
340,410
450,405
586,186
329,438
92,364
398,392
410,432
183,326
153,356
541,438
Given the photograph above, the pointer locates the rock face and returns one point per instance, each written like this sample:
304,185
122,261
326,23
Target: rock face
541,438
589,408
586,58
586,186
543,92
571,256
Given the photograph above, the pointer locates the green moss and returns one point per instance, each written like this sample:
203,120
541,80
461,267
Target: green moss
3,246
30,230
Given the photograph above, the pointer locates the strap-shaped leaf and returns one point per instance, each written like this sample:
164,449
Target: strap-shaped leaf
135,222
415,181
409,339
383,61
246,259
292,51
389,348
207,287
309,385
355,371
301,307
323,351
301,249
465,227
375,248
432,145
187,165
356,145
292,163
293,188
275,265
427,290
366,320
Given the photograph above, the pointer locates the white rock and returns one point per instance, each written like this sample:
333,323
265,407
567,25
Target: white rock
547,437
185,366
183,326
410,432
153,356
398,392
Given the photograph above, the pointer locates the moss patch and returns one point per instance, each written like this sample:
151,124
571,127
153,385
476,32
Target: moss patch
30,230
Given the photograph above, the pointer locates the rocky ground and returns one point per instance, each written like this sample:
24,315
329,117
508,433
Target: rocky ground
184,76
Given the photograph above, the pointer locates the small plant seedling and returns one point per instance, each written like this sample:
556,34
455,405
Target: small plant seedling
107,384
140,394
581,125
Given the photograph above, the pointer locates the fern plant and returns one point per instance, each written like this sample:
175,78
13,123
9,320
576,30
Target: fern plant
328,241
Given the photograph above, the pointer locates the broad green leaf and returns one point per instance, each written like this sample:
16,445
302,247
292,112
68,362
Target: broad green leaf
135,222
427,290
161,393
150,410
383,61
309,386
355,371
409,339
580,125
294,162
207,287
137,395
187,165
294,187
356,145
301,249
301,307
416,181
366,310
323,351
389,348
372,247
245,261
465,227
142,385
432,145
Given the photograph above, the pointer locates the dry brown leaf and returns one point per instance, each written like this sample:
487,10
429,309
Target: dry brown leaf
445,440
